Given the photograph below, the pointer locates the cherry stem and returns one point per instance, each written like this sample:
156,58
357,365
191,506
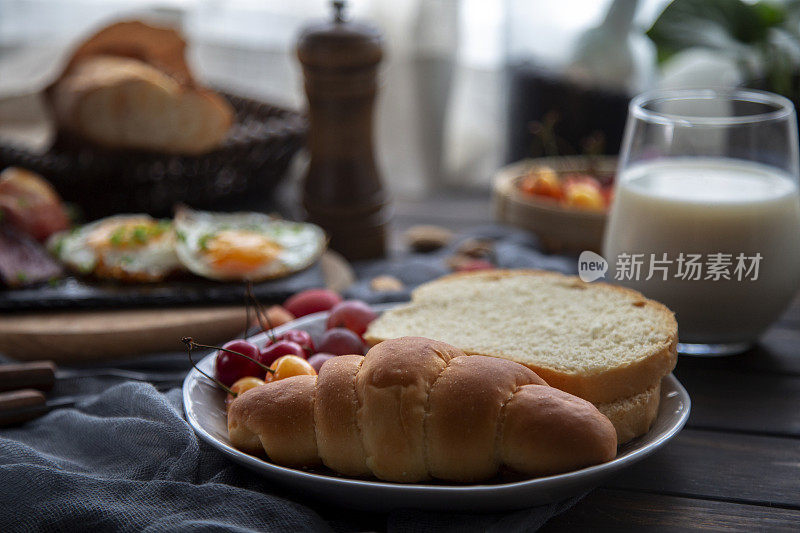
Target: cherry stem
189,345
246,317
192,344
261,313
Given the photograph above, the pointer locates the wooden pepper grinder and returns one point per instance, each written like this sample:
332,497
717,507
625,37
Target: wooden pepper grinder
343,192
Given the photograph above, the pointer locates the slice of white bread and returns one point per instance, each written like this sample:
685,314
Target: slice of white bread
634,415
596,341
126,103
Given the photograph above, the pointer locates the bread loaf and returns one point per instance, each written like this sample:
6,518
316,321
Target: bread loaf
162,48
129,87
633,416
597,341
414,409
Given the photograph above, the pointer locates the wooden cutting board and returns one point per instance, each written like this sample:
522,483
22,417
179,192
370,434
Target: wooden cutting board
73,336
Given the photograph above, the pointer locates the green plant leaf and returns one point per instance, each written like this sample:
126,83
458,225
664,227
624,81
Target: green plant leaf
728,26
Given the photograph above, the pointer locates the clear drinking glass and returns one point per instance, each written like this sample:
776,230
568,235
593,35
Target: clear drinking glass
706,214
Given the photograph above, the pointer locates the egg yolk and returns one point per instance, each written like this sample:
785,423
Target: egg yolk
126,234
239,251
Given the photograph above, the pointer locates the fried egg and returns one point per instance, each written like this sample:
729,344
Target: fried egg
244,246
122,247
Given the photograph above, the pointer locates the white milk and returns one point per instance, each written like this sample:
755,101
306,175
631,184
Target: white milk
705,206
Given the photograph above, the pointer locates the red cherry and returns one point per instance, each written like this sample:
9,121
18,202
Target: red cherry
230,368
300,337
269,354
311,301
341,341
354,315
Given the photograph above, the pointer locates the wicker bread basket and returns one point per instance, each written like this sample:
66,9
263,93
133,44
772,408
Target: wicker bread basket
250,163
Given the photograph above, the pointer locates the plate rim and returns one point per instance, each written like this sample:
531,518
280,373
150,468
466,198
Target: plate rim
265,467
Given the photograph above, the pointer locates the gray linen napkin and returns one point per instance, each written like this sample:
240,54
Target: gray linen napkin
128,461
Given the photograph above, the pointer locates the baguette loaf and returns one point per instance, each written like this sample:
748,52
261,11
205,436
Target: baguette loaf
162,48
414,409
128,86
119,102
597,341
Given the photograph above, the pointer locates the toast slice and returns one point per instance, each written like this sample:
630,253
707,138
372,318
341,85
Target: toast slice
597,341
634,415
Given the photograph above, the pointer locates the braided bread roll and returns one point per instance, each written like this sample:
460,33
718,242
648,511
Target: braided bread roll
414,409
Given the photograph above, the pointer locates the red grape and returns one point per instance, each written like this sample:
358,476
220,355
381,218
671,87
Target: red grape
300,337
354,315
341,341
318,359
230,368
311,301
280,348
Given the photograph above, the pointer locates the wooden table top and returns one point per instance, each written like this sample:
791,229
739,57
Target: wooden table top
736,464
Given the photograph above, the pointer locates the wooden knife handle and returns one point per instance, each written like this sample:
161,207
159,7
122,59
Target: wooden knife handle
36,375
21,405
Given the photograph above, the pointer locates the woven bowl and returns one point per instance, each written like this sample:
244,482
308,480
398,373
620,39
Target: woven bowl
250,164
560,229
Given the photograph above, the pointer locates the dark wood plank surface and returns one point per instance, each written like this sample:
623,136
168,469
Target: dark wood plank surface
721,465
618,510
736,466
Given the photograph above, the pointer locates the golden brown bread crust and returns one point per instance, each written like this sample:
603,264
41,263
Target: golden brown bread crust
632,417
281,415
124,103
463,415
129,86
421,409
602,387
392,388
546,431
163,48
339,439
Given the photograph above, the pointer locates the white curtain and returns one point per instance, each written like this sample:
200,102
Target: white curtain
440,118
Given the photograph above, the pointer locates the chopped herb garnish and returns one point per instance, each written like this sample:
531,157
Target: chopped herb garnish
22,276
203,241
58,247
181,236
140,234
118,236
53,282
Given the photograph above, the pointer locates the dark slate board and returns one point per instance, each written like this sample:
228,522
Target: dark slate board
73,293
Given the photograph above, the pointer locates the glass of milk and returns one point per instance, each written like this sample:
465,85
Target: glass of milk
706,214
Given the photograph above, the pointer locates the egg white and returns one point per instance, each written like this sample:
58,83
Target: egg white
151,261
301,243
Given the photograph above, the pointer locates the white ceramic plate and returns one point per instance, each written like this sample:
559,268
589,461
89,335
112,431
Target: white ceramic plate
203,403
